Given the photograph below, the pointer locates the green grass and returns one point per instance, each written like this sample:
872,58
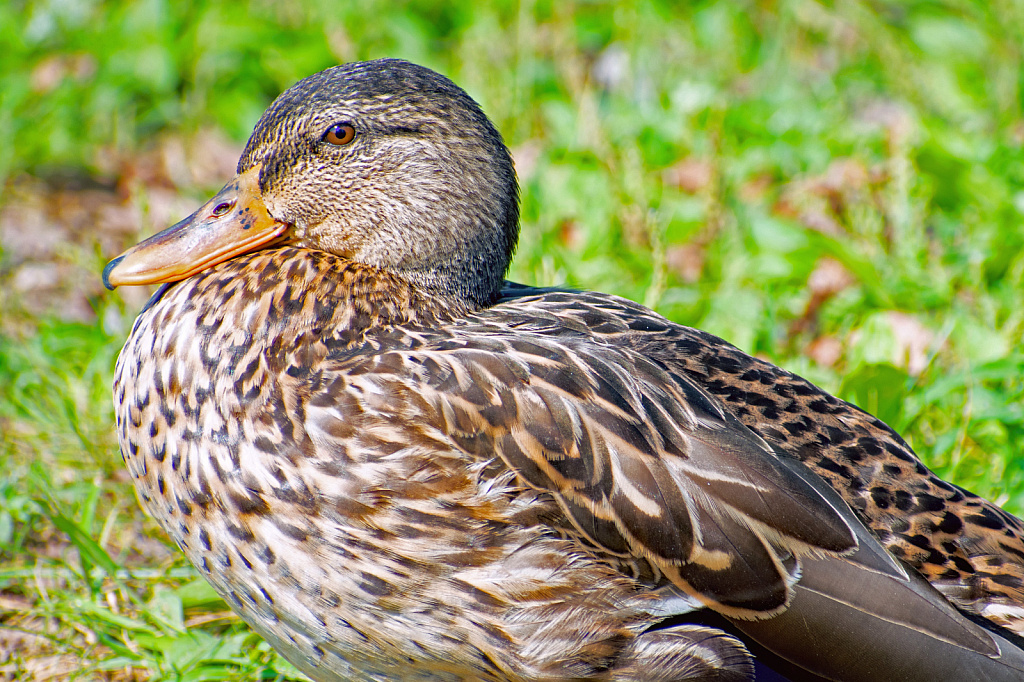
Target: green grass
837,187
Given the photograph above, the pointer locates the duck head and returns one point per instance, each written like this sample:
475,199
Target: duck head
385,163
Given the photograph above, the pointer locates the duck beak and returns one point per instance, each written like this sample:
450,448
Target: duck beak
233,222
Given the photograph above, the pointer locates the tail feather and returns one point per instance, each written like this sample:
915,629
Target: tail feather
686,653
853,619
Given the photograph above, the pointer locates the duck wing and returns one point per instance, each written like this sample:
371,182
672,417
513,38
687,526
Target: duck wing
643,462
851,622
646,463
866,616
966,547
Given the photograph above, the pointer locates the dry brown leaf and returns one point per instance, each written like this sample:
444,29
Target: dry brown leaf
913,342
825,350
526,157
686,261
49,73
571,234
691,175
829,278
755,189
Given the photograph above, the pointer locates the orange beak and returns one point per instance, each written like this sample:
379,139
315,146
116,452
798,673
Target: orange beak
233,222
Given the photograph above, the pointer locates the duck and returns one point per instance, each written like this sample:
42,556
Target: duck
394,464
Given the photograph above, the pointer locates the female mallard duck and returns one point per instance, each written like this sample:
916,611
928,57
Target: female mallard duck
394,468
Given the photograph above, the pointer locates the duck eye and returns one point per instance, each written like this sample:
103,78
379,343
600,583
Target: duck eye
340,134
221,209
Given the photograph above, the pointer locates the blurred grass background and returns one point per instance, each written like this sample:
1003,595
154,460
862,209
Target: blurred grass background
835,186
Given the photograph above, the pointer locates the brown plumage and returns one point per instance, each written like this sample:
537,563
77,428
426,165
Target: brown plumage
394,468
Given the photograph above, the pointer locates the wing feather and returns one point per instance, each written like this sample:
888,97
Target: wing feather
643,462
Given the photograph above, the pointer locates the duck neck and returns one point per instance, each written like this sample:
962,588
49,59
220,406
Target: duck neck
459,253
380,298
464,284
